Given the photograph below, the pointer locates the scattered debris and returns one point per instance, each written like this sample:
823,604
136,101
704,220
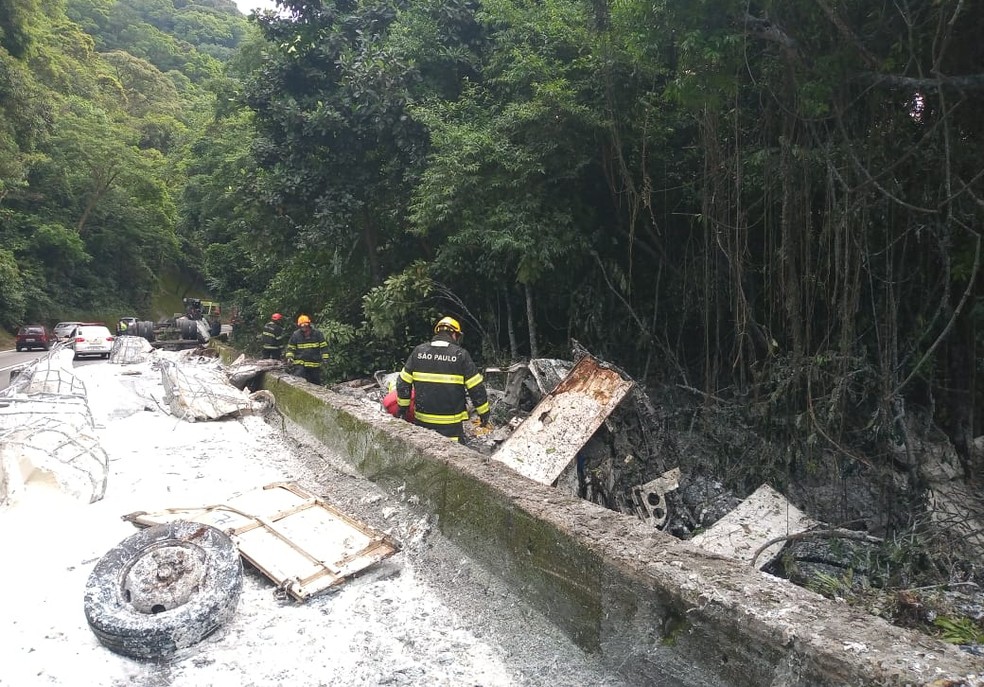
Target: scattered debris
199,389
129,350
649,500
548,440
50,454
303,544
243,372
163,589
588,429
47,437
762,517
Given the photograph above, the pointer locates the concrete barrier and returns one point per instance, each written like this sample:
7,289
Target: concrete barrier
658,610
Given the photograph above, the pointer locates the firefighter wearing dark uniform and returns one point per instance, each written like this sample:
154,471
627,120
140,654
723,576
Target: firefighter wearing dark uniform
307,351
440,373
273,337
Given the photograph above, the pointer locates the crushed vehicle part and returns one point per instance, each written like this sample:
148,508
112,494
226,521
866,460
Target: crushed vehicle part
19,411
52,455
547,442
300,542
762,517
527,383
649,499
163,589
201,390
54,374
697,503
179,332
243,371
47,435
128,350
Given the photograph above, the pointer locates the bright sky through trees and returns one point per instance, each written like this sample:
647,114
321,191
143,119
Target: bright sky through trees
247,6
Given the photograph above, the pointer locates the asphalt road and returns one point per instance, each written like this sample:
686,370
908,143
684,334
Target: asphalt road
10,358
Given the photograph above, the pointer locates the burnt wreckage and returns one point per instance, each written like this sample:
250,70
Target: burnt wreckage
585,426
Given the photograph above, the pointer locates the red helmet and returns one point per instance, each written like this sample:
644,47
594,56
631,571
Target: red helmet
276,316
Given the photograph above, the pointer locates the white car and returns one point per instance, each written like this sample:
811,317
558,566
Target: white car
63,330
90,339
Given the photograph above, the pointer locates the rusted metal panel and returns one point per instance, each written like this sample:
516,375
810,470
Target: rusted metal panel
548,440
303,544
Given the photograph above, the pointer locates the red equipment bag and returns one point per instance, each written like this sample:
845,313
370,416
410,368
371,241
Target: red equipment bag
392,407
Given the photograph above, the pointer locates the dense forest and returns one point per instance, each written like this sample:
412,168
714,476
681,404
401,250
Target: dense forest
770,208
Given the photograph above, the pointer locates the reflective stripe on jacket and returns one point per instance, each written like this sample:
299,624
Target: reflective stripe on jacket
309,351
273,336
440,373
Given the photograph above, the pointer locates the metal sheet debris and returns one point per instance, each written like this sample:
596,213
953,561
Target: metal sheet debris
548,440
303,544
197,389
762,517
649,499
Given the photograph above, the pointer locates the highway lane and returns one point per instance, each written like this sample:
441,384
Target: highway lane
10,358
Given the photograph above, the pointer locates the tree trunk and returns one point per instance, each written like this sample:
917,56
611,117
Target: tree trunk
510,329
531,322
790,248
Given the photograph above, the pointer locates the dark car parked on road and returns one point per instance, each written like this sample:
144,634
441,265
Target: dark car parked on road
33,336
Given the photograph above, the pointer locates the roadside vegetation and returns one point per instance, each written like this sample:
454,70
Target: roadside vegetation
769,214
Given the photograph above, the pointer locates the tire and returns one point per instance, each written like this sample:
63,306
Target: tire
18,349
145,329
188,329
163,589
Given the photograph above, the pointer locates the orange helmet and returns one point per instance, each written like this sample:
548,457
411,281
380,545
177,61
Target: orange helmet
447,324
303,319
276,316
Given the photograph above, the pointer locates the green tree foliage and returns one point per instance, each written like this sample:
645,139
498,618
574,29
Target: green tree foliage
12,295
16,19
93,147
777,201
191,37
774,205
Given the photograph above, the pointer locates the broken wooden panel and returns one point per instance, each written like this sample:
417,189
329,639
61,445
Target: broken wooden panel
548,440
762,517
303,544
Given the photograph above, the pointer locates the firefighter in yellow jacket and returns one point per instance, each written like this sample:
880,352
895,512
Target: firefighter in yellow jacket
307,351
440,373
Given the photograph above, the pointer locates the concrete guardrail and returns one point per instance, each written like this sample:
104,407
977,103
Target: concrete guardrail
658,610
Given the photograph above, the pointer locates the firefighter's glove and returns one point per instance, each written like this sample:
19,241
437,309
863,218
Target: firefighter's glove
483,420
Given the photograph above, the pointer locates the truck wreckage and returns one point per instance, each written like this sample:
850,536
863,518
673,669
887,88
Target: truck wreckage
582,426
185,330
585,427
